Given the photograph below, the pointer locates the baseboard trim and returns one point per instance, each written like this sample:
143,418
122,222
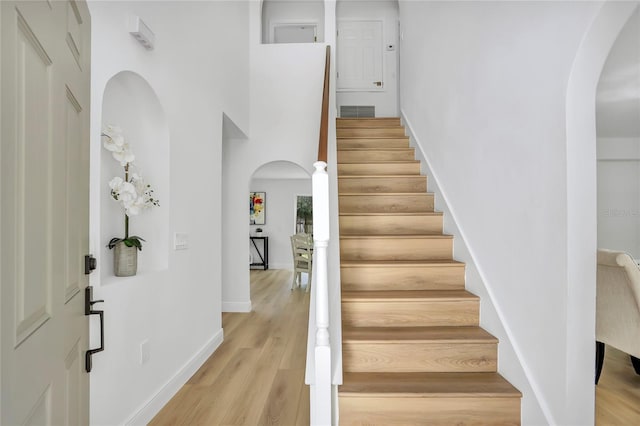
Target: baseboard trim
236,306
153,406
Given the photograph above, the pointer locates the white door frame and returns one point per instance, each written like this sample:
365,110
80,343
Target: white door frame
291,23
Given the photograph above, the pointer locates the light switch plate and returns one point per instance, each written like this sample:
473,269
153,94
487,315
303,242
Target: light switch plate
180,241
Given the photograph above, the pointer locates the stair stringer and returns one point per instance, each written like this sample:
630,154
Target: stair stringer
511,365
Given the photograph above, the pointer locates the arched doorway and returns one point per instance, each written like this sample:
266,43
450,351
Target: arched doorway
581,195
278,183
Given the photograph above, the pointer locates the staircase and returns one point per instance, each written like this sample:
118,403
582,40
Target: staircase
413,352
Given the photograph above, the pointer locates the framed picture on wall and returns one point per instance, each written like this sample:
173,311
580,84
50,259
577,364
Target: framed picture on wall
257,208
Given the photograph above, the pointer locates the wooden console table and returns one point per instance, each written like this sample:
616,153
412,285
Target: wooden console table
263,257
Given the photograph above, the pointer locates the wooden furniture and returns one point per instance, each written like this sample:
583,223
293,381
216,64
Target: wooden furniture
302,250
617,306
264,255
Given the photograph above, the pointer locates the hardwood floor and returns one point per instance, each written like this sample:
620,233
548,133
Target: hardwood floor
618,392
256,377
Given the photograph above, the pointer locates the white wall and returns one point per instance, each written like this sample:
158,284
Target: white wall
386,101
177,307
618,130
292,12
484,87
280,218
619,194
286,93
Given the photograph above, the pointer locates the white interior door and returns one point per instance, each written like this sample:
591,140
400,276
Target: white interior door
44,188
359,59
294,33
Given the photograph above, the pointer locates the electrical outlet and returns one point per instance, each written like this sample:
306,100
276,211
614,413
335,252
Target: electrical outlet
145,352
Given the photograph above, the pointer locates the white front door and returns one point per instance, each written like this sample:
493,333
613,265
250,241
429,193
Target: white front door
44,188
359,61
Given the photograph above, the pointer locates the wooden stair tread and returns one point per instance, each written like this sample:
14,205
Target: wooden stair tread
396,236
379,176
390,214
408,296
392,149
427,385
399,263
436,334
369,122
365,119
355,138
384,194
383,162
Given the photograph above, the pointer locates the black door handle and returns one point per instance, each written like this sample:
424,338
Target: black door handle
88,310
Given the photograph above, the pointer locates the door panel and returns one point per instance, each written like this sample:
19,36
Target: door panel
32,182
44,83
360,55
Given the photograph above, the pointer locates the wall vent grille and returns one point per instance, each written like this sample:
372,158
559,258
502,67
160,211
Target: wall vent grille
357,111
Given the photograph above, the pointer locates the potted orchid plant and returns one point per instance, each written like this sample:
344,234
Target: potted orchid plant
133,194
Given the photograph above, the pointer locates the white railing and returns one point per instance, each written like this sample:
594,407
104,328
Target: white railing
320,392
319,373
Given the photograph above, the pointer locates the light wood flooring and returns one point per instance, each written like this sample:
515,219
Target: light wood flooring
618,392
256,377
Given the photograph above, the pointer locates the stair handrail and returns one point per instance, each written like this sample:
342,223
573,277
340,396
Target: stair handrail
324,115
320,392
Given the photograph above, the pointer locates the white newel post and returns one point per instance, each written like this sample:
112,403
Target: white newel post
321,388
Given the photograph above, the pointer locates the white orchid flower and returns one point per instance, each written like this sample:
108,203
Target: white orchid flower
115,183
110,130
137,206
125,156
114,141
132,192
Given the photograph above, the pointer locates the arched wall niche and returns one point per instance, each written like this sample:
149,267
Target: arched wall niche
288,16
130,102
